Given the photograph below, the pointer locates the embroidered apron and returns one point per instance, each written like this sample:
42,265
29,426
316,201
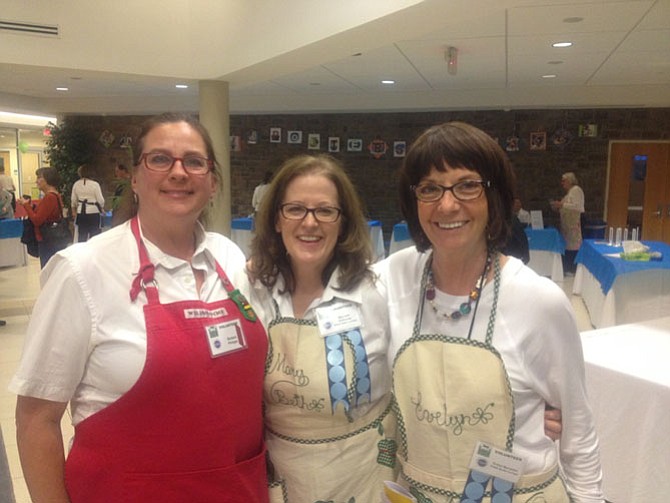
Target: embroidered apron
190,429
319,452
452,392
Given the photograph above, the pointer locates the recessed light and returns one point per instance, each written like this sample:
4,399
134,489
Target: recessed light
549,76
181,86
562,44
388,82
315,83
62,89
357,54
555,62
574,19
75,78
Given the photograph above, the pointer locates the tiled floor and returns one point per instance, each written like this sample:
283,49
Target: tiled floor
19,287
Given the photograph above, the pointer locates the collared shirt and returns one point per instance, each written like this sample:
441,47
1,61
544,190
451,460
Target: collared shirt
375,330
86,341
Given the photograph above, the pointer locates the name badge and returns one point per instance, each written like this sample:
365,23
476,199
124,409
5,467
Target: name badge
225,338
497,463
337,318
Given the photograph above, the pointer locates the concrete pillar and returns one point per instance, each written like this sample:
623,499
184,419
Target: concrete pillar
214,115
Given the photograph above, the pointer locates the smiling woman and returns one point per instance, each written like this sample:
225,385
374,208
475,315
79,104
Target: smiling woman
153,327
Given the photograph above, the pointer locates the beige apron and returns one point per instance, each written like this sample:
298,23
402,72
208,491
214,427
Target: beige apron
571,228
452,392
319,450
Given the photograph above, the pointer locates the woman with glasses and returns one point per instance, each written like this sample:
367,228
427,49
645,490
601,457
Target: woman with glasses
161,359
479,341
329,430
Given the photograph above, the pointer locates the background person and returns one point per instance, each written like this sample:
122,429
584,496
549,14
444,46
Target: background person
570,209
122,200
479,336
330,432
6,208
49,209
160,359
87,204
7,183
260,190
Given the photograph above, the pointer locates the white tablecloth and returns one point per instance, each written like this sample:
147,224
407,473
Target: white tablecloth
547,263
628,382
634,297
12,251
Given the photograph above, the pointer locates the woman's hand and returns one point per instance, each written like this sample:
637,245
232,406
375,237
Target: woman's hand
553,422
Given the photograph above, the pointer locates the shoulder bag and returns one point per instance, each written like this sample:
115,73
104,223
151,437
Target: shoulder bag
57,234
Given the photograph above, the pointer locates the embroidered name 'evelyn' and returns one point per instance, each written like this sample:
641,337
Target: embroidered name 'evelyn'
456,422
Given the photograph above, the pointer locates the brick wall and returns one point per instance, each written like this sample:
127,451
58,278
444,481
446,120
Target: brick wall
538,171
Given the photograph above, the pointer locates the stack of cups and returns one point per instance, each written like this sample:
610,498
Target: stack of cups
611,239
617,241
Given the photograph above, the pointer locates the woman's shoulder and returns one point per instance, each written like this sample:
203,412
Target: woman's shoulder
529,287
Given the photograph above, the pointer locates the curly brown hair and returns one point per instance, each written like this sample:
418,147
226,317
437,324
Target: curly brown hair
353,251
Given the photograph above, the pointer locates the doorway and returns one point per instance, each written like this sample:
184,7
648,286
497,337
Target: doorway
639,188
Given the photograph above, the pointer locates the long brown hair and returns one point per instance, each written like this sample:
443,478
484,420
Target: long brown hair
353,251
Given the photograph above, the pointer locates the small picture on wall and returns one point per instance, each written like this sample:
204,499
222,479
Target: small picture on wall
588,130
354,145
294,137
314,141
252,137
275,135
538,140
333,144
399,148
512,144
235,144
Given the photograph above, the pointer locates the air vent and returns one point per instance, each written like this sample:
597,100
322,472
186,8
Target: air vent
28,28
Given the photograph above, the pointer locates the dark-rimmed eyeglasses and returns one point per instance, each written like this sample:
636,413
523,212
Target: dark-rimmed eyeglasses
467,190
193,164
323,214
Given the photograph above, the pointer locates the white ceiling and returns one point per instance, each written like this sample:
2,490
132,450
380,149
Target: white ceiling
295,56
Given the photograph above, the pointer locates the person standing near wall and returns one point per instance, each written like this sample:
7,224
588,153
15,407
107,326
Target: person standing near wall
7,183
260,191
87,203
570,209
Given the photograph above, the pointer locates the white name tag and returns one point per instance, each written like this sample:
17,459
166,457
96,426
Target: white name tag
338,317
496,462
225,338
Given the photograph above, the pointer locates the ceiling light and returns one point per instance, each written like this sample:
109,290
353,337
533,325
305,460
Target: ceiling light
181,86
549,76
315,83
575,19
62,89
562,44
451,57
388,82
555,62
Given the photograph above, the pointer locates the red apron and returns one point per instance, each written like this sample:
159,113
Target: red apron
191,427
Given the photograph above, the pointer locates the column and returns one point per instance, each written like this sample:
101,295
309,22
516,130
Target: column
214,115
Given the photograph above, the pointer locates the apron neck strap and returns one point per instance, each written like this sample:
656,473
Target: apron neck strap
144,278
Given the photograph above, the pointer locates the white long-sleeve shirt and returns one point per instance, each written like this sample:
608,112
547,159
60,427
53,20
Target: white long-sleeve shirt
537,337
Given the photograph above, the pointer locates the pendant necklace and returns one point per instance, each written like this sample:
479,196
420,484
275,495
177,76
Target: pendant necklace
466,307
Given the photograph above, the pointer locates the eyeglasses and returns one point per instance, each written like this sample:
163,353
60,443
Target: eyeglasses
323,214
192,164
467,190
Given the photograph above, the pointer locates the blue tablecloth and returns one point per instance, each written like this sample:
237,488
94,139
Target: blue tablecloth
548,239
243,224
604,263
11,228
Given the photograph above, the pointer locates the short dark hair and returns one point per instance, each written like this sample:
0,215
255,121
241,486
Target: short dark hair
50,175
353,251
459,145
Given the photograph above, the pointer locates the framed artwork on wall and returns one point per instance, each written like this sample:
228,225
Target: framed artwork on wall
314,141
235,144
252,137
512,144
294,137
399,148
354,145
333,144
538,140
275,135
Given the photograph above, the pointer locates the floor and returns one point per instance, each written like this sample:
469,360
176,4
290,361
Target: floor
19,287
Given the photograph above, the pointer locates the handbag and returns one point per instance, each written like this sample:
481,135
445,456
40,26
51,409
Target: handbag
29,239
57,234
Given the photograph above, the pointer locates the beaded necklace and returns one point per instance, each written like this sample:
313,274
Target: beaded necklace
466,307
